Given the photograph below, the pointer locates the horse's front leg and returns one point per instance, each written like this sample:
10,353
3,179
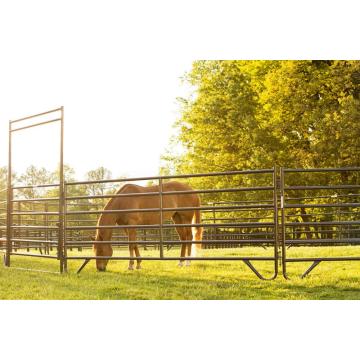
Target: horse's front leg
132,237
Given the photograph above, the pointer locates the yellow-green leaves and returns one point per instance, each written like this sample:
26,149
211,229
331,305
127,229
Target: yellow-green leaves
257,113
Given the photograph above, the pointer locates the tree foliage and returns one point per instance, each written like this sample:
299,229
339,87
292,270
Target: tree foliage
100,173
254,114
38,176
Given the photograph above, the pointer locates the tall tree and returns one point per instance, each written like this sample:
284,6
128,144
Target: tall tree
34,176
254,114
247,114
101,173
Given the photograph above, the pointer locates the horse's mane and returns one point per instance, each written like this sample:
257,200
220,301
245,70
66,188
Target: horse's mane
121,188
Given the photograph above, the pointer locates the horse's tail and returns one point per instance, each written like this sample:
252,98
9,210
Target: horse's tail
196,231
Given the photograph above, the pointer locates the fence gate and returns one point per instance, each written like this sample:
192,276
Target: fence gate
35,224
323,215
233,216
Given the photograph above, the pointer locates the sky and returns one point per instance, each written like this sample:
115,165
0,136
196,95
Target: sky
118,87
118,113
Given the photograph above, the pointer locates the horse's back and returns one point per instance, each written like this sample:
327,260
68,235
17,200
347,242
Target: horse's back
170,200
167,187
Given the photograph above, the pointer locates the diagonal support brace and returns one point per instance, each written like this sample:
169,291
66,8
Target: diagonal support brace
311,268
253,269
83,265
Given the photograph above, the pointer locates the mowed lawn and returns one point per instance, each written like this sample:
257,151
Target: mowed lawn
202,280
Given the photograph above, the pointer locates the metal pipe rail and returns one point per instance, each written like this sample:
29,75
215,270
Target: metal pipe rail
35,227
168,177
24,200
322,241
35,255
218,258
323,223
34,125
317,230
40,186
93,212
34,241
319,214
322,197
157,226
239,202
170,242
321,187
184,192
36,115
317,170
140,226
316,206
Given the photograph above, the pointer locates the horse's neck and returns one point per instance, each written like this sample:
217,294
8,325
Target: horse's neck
106,220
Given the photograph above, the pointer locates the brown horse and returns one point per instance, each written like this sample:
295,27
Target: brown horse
173,201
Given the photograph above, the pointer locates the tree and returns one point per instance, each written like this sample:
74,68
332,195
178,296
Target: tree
255,114
101,173
251,114
34,176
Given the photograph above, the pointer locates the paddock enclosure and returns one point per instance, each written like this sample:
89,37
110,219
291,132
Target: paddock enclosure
276,210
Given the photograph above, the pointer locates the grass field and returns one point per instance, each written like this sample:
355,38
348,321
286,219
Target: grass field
203,280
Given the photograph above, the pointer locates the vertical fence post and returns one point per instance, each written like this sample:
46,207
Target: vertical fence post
46,223
17,233
161,217
61,196
283,220
215,236
9,204
276,220
65,269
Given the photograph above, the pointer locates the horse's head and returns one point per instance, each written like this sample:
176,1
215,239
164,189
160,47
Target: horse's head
102,250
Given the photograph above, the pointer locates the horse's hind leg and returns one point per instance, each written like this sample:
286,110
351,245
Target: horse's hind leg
138,262
189,245
132,237
182,236
182,254
181,231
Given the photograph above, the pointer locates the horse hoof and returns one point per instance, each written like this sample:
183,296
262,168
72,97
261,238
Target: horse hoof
131,267
188,262
138,267
180,264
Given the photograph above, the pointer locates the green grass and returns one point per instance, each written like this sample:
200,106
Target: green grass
203,280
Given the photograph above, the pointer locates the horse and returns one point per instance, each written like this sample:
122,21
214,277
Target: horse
144,201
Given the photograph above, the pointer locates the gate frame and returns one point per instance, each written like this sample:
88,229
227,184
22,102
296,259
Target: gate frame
11,188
